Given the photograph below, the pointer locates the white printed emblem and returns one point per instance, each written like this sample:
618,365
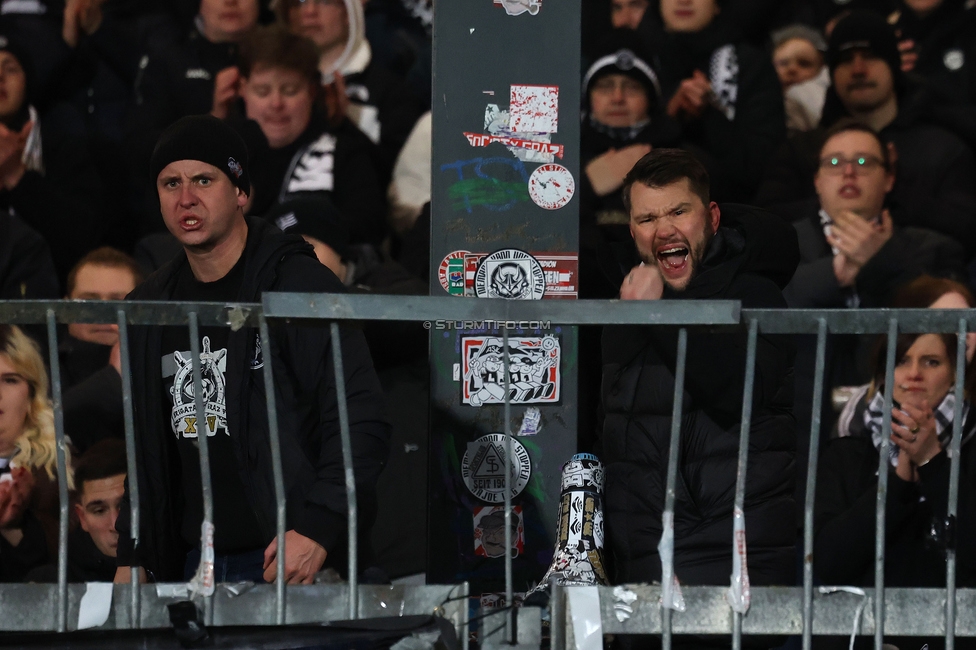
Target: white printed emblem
511,274
483,468
184,416
533,368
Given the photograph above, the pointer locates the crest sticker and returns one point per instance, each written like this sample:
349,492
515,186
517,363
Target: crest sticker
483,468
511,274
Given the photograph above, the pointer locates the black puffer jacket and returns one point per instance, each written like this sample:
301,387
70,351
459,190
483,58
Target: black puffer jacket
751,258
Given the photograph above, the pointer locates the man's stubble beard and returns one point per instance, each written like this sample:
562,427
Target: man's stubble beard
695,255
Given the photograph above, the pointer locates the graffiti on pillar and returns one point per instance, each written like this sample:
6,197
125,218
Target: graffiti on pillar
533,371
495,183
519,7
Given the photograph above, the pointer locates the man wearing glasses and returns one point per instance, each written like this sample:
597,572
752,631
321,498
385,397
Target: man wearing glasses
852,255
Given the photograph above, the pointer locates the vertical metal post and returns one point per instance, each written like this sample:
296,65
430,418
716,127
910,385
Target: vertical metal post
884,467
130,457
509,586
667,532
203,444
818,383
740,479
347,460
557,618
61,602
276,468
955,446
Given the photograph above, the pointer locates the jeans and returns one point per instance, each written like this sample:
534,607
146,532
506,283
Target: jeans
230,567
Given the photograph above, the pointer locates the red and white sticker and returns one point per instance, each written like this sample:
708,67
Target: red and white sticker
489,531
551,186
534,109
451,272
561,271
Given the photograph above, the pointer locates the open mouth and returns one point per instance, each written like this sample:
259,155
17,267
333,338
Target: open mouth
673,258
849,191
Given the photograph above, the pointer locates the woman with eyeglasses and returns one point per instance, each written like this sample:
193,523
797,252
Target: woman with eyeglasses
27,446
918,530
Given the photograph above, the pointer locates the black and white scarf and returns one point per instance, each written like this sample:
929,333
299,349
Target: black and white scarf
619,133
874,417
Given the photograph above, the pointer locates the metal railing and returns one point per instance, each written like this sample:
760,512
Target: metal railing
773,610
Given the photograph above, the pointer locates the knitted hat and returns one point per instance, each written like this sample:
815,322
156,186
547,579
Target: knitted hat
15,46
207,139
316,217
864,30
621,53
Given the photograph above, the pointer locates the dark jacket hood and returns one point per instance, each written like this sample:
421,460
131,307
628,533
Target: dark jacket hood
748,240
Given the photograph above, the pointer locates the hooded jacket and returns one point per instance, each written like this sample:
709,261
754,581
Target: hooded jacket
750,259
307,413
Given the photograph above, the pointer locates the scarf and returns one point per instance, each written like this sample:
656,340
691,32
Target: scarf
33,155
619,133
874,415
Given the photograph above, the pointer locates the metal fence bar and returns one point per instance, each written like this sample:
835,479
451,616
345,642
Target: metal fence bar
955,446
274,437
348,463
62,599
130,458
811,489
510,630
740,479
204,449
667,529
883,468
557,617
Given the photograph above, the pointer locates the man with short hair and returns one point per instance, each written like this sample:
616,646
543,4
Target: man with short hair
103,274
100,482
200,168
693,250
935,168
627,14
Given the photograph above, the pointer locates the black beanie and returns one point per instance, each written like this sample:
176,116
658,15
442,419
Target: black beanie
207,139
621,52
867,30
316,217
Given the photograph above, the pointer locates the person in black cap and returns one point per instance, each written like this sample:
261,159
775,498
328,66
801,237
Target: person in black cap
47,180
200,168
935,168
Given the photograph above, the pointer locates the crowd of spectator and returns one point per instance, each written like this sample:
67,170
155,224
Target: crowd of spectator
853,121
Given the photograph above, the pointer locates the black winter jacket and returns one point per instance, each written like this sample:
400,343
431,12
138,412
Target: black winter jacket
26,269
909,253
307,413
750,259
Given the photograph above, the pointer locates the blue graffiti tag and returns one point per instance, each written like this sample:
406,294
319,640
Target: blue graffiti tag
482,189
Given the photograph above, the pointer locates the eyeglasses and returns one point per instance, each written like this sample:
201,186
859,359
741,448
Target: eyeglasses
862,164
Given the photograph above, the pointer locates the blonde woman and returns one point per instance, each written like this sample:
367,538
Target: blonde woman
27,452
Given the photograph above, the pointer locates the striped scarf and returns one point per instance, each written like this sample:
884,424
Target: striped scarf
874,418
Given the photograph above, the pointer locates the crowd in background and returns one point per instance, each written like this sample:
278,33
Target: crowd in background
853,120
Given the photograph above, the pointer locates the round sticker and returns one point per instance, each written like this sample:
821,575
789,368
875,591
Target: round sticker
483,468
511,274
551,186
953,59
451,273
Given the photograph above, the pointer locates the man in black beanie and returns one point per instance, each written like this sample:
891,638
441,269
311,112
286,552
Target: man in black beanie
935,168
200,170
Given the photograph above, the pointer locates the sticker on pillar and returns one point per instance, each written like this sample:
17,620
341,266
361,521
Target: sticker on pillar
489,531
451,272
560,271
519,7
531,422
534,376
551,186
527,146
511,274
534,108
483,468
